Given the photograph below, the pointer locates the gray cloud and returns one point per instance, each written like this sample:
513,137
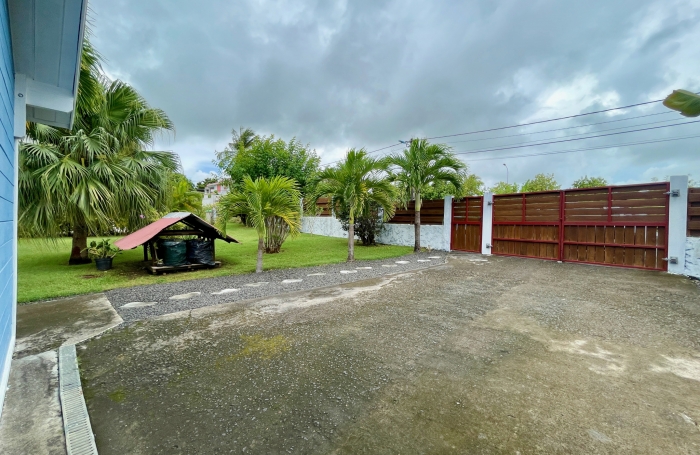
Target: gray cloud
341,74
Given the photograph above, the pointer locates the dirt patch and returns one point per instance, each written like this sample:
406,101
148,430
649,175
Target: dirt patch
508,356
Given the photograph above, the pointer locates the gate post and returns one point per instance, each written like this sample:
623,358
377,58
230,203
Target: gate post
447,224
677,223
486,223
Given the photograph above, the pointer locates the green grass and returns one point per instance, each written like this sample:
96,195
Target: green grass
44,272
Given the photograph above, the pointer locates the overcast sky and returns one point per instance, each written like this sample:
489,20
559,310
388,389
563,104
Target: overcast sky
367,73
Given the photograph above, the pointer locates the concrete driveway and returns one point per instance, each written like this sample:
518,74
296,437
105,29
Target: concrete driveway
493,356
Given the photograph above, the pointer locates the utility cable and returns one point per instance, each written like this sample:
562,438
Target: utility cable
600,147
571,140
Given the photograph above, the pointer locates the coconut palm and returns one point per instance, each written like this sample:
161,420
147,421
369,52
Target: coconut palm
265,203
97,176
420,165
353,185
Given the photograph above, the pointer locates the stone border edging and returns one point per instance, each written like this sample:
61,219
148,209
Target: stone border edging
76,421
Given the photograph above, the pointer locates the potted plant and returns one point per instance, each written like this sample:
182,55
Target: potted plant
102,252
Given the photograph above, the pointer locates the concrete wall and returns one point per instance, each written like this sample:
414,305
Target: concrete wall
692,257
404,235
393,234
322,225
8,195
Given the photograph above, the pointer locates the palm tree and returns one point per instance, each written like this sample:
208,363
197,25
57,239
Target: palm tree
96,176
242,139
353,185
420,165
685,102
183,197
264,202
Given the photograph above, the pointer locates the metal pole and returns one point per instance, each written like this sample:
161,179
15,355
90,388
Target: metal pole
506,173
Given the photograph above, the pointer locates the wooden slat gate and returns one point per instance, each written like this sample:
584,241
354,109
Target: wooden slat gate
623,226
467,214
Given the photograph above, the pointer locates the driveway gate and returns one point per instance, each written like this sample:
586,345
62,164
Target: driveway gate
467,214
623,226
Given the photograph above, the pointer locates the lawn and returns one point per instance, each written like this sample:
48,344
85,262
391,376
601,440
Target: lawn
44,272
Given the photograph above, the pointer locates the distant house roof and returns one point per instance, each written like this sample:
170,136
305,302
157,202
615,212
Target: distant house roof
47,42
147,233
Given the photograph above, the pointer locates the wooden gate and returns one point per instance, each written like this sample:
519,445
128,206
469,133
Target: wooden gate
467,214
527,225
622,226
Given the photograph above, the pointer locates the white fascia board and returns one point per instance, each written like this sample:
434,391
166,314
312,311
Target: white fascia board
50,97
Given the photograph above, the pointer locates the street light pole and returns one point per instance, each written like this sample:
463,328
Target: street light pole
506,173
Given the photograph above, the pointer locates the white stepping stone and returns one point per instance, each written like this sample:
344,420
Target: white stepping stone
316,274
225,291
423,260
389,265
478,260
434,257
402,262
291,281
138,304
189,295
348,271
363,268
255,285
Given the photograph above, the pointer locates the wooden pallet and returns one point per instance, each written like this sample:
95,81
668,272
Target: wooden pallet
158,269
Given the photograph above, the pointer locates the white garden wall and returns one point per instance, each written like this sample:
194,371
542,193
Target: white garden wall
692,257
393,234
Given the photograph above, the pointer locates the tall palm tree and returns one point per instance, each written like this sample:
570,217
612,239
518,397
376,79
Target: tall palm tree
242,139
420,165
353,185
264,202
98,175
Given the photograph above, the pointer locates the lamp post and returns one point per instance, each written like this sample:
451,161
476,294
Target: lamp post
506,173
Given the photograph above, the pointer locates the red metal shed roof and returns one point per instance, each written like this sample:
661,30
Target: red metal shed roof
147,233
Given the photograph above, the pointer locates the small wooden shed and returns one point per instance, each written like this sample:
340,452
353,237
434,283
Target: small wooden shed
149,235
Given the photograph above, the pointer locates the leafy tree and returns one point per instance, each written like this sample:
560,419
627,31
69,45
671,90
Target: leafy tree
504,188
685,102
589,182
183,196
368,225
541,182
420,165
472,185
98,175
201,185
271,206
269,157
352,186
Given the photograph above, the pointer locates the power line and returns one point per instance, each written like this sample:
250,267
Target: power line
568,128
600,147
526,124
571,140
546,121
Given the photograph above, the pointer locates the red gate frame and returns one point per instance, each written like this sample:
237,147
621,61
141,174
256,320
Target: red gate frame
563,223
466,221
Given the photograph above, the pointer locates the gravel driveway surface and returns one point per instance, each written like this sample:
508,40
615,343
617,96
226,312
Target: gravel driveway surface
143,302
478,356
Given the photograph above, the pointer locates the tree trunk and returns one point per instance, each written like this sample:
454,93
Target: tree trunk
261,247
351,240
78,253
416,222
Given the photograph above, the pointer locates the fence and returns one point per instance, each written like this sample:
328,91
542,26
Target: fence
639,226
693,212
432,212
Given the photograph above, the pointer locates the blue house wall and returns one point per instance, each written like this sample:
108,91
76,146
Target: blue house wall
7,201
